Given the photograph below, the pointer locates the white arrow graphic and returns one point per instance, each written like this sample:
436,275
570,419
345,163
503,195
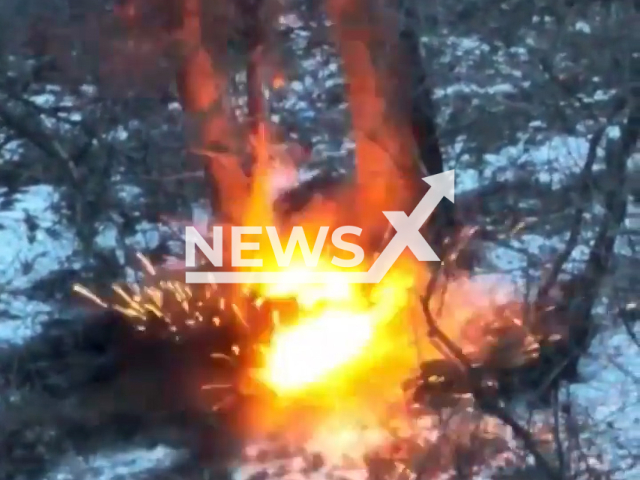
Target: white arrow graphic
408,228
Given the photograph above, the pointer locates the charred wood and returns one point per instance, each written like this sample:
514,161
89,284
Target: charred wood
296,199
443,227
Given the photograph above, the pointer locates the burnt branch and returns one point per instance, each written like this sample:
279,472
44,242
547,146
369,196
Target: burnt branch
584,192
424,127
476,378
479,381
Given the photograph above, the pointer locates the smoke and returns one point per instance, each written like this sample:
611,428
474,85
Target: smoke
282,178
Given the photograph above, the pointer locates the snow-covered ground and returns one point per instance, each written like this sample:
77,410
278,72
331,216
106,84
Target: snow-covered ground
115,465
609,399
27,254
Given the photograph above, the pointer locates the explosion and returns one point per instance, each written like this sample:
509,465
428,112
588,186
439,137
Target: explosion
345,353
338,361
340,324
319,346
341,357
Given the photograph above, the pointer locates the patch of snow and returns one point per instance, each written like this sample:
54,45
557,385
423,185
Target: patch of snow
10,151
554,160
24,320
120,133
472,88
582,26
27,254
116,465
609,399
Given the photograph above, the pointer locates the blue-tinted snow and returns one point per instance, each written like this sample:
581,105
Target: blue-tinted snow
608,400
21,318
116,465
26,256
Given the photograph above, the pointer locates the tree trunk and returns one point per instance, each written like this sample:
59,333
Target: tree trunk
387,173
202,84
442,225
254,38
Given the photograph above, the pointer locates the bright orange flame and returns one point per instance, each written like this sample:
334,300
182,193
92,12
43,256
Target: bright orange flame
339,331
309,294
309,352
334,328
338,369
278,81
352,347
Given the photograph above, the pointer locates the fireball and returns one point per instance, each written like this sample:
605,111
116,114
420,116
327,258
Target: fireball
342,332
308,353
